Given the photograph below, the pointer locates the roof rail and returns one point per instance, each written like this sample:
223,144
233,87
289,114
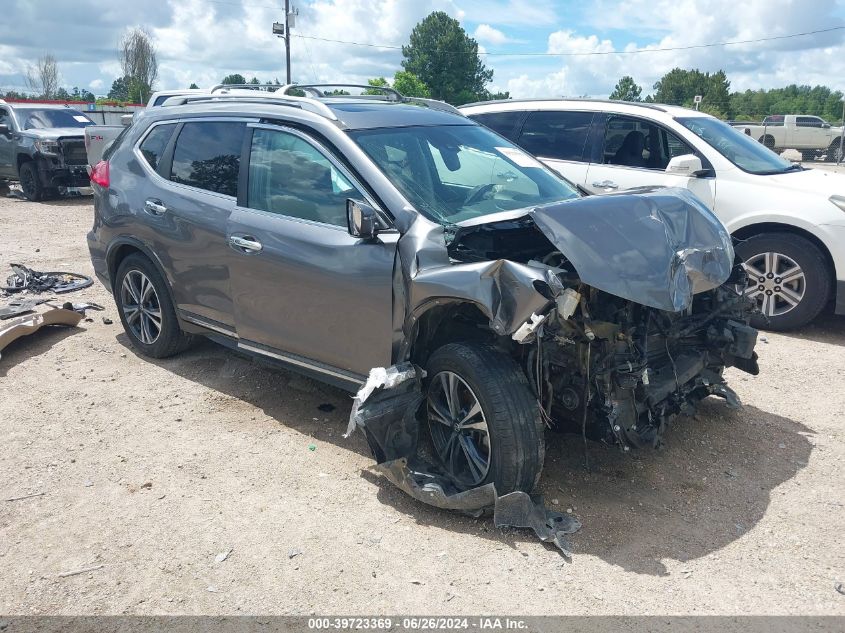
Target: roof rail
303,103
316,103
391,93
317,90
642,104
217,87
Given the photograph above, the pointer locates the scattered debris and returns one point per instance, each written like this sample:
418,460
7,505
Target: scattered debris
385,410
293,552
415,581
312,447
76,572
148,485
107,321
327,407
840,587
222,556
43,314
212,589
34,494
764,339
34,281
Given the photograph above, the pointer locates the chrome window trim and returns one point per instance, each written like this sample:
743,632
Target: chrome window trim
136,149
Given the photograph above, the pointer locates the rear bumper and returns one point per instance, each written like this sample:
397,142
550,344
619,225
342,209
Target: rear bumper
98,260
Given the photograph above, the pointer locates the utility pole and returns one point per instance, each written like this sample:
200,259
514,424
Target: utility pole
287,38
283,30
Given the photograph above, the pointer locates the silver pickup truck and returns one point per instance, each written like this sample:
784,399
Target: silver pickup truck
810,135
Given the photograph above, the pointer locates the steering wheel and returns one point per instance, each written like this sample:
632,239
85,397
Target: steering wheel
477,193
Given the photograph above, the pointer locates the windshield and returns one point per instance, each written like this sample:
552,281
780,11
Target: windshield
458,172
742,150
40,118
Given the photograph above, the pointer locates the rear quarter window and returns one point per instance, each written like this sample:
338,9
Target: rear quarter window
153,145
208,156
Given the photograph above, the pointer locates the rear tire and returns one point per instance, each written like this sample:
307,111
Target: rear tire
791,279
30,184
146,310
768,141
491,382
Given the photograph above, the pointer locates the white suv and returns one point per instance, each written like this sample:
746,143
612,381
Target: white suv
789,220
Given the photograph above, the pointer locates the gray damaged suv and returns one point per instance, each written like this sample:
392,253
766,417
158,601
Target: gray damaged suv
43,147
395,248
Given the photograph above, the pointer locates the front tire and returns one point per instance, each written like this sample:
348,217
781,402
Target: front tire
484,420
30,184
834,152
146,310
788,277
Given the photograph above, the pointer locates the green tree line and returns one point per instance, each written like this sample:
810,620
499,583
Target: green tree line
679,86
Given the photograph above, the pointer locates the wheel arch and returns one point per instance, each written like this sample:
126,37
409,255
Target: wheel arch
123,247
442,320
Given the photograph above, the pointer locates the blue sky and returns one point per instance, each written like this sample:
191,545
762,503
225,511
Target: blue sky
203,40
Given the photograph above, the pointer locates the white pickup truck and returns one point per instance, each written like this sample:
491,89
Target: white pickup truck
810,135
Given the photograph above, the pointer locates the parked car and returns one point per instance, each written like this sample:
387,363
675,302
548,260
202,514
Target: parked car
42,146
810,135
788,220
357,238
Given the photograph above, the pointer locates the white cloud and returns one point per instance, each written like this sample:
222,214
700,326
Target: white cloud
816,59
96,84
486,33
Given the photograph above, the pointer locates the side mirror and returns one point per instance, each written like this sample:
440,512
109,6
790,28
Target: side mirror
126,120
361,219
685,165
4,129
826,126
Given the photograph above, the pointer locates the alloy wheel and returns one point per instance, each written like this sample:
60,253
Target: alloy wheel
776,282
140,305
458,428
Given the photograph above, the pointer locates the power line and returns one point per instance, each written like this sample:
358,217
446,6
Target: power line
590,53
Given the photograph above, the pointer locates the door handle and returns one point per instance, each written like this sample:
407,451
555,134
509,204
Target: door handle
246,243
606,184
154,207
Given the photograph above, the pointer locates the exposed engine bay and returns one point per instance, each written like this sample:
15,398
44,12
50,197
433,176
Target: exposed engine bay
614,369
623,311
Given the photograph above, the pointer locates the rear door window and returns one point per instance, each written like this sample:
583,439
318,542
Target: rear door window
558,135
504,123
208,156
633,142
153,146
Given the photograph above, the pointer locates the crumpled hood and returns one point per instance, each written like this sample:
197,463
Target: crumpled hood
54,133
656,248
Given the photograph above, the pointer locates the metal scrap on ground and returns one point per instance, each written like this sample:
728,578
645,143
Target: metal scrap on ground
34,281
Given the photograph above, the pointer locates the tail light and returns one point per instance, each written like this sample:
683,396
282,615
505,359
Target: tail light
100,174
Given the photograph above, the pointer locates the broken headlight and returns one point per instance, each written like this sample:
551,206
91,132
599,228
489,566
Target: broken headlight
47,147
